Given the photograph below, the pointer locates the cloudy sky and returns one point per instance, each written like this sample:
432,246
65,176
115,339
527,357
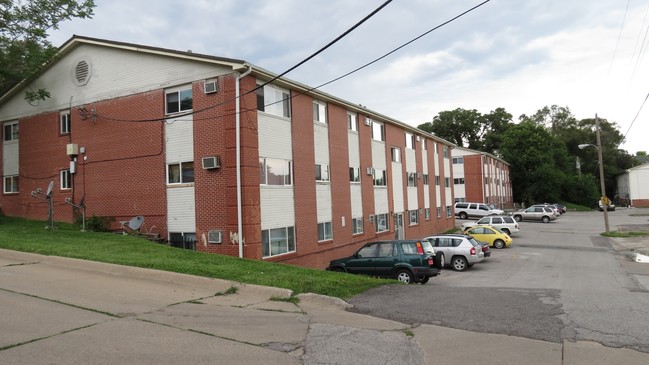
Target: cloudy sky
521,55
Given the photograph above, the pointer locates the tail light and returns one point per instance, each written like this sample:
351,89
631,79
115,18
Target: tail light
472,252
420,249
430,261
484,248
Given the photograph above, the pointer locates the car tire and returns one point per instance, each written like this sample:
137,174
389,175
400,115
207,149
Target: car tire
424,280
405,276
546,219
463,215
337,269
459,263
499,244
441,261
506,231
518,218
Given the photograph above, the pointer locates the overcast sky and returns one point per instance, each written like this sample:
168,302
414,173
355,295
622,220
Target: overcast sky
521,55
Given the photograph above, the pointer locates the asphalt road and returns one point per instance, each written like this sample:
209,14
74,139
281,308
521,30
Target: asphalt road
559,281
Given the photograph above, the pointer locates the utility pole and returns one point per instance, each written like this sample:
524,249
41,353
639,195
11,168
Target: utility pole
601,174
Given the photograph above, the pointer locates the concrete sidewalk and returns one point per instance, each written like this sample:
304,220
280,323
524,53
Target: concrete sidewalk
65,311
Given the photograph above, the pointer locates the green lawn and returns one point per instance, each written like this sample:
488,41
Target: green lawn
67,240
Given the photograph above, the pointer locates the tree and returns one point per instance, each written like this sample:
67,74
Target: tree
460,126
497,122
24,47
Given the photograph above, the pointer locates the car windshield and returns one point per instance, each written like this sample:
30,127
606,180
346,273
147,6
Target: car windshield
474,242
428,247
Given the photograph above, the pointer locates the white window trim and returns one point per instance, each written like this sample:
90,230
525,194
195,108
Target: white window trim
14,129
180,167
15,182
65,121
325,176
322,112
65,178
179,91
328,234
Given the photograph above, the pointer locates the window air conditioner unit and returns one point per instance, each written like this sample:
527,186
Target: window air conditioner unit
420,175
211,162
418,138
371,218
370,171
210,87
368,121
215,237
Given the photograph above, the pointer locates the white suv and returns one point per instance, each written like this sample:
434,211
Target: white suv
504,223
465,210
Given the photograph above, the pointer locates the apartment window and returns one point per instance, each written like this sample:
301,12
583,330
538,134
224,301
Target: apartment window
449,211
273,100
412,179
184,240
10,184
319,112
64,123
352,122
380,178
66,179
410,141
322,172
273,171
414,216
355,174
382,223
458,181
437,180
395,152
427,213
10,131
378,131
325,232
277,241
447,182
179,101
357,225
439,212
426,179
180,173
458,160
446,150
460,200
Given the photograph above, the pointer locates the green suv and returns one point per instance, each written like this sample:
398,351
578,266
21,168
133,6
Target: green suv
409,261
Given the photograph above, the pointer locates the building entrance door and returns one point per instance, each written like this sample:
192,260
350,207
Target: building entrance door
398,226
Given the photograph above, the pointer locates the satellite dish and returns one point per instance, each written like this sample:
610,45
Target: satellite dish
49,188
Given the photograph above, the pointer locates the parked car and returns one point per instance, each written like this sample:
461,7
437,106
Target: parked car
542,214
562,208
554,208
485,249
609,207
504,223
409,261
459,251
492,236
466,210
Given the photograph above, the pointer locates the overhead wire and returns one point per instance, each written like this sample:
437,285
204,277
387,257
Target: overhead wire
328,82
619,36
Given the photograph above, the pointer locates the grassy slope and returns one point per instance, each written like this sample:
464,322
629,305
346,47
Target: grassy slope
66,240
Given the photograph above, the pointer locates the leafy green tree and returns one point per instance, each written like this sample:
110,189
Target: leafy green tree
496,123
460,126
24,47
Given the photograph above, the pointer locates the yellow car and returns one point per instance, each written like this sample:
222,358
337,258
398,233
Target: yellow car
493,236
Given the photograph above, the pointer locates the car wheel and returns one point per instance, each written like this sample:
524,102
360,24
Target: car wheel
337,269
405,276
518,218
506,231
546,219
459,263
499,244
441,261
463,215
424,280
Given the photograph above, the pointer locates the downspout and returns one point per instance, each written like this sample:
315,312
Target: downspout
238,154
483,178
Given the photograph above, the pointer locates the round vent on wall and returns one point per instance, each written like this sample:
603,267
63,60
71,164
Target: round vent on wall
82,73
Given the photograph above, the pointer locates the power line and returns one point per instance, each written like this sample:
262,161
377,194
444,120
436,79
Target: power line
619,36
636,116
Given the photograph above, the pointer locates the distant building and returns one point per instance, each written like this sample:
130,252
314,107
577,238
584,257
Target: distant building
281,173
481,177
633,187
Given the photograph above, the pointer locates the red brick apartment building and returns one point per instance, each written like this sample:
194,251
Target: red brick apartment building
481,178
186,141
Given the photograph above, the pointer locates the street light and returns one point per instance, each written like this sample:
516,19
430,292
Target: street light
601,170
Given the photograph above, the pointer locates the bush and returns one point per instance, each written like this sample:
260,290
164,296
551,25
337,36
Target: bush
98,223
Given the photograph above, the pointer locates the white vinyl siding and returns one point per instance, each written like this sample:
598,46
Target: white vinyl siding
357,200
397,187
10,158
277,208
323,202
181,210
275,137
114,73
424,161
411,167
